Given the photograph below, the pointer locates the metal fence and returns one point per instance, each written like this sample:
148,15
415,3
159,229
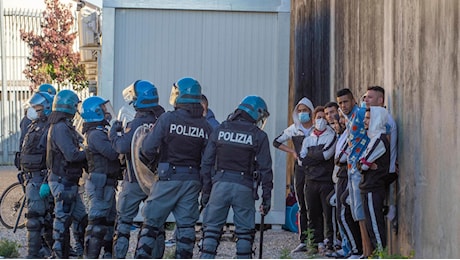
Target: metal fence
17,86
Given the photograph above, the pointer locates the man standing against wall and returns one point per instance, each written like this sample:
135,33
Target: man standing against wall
357,140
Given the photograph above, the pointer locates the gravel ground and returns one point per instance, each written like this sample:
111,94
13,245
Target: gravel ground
277,243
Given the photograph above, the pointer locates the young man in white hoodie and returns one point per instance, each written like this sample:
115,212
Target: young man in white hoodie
296,132
374,164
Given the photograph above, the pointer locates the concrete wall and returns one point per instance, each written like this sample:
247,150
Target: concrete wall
411,48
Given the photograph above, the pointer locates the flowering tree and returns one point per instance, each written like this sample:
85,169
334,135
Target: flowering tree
52,59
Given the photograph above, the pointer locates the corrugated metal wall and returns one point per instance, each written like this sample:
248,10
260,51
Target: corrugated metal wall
211,46
231,53
412,49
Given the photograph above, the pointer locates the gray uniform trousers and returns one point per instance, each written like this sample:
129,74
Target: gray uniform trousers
39,222
101,215
180,198
223,196
129,199
68,210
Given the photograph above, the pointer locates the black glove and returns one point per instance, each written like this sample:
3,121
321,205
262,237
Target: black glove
204,199
117,126
265,206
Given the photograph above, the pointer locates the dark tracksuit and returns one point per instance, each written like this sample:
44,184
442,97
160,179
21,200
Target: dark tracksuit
319,166
372,187
349,226
297,135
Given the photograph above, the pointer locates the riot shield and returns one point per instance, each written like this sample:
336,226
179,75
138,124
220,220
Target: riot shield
126,114
144,175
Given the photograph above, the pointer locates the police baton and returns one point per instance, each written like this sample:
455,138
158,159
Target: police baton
261,240
21,181
20,213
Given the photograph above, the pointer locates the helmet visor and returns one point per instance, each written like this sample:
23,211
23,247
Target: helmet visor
109,113
36,99
263,119
78,120
174,94
129,94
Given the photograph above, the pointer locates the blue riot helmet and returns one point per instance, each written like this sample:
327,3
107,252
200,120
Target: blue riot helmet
96,109
66,101
185,91
142,94
47,88
43,99
256,108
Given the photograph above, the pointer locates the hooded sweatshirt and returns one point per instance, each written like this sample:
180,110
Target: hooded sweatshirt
317,154
296,132
377,151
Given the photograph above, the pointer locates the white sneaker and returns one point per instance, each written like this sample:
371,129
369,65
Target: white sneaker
355,257
302,247
337,254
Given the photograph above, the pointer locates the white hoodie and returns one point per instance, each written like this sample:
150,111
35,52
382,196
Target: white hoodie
377,127
296,129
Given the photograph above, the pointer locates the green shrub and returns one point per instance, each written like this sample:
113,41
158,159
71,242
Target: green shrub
9,249
285,254
170,226
383,254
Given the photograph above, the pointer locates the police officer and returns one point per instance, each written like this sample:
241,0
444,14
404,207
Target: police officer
228,180
176,142
25,121
143,95
66,161
104,171
39,222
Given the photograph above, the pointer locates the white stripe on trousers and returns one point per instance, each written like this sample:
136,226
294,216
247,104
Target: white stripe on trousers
351,238
375,228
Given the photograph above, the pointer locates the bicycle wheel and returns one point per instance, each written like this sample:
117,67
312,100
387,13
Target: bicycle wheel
10,205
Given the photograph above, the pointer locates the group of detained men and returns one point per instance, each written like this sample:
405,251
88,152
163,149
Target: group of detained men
345,164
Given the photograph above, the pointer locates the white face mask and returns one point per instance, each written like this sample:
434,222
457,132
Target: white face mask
32,114
320,124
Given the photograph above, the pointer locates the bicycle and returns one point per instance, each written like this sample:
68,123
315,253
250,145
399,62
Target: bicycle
12,202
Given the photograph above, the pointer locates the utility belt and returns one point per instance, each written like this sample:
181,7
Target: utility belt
169,172
66,180
36,176
243,178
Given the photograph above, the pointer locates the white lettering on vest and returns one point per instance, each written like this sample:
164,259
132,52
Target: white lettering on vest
187,131
235,137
